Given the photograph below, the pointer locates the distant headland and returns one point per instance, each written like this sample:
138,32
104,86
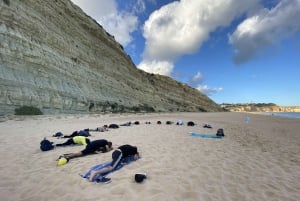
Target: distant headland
258,107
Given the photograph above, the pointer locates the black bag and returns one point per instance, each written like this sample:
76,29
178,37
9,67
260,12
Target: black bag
220,132
113,126
46,145
139,177
190,123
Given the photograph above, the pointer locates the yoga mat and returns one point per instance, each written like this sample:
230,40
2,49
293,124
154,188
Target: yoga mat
205,135
124,162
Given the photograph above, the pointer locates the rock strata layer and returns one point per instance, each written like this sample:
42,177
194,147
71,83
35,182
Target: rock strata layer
56,58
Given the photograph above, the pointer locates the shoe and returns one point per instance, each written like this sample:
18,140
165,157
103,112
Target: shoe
62,161
104,180
61,156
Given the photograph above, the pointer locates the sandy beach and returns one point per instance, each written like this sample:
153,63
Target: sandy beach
255,161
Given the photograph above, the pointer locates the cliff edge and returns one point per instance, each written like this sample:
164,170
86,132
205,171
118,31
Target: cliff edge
56,58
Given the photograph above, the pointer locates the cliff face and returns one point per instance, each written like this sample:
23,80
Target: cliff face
56,58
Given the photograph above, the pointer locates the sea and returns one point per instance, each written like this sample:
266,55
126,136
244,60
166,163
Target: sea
284,114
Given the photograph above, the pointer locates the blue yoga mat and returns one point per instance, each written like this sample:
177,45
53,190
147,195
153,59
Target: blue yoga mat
124,162
205,135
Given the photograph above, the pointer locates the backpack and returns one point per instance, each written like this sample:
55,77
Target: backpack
169,122
113,126
179,123
190,123
220,132
46,145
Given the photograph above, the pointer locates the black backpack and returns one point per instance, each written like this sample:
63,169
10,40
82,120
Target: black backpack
46,145
220,132
113,126
190,123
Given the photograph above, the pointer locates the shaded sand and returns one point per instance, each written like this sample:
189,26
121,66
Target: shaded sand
255,161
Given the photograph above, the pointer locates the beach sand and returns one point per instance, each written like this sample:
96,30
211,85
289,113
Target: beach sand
259,160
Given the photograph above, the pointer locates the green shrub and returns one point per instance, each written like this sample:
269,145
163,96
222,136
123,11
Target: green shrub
28,110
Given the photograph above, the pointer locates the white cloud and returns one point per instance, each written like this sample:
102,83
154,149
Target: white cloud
157,67
207,90
196,79
196,82
139,6
265,28
120,24
181,27
97,8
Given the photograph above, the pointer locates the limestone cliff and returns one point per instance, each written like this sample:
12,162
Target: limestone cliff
56,58
259,108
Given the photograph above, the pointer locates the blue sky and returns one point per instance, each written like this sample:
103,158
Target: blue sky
231,50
